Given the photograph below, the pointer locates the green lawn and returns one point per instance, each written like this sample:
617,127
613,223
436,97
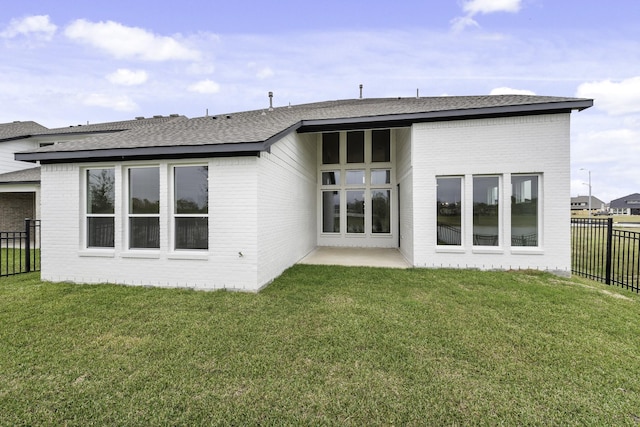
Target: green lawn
323,346
13,260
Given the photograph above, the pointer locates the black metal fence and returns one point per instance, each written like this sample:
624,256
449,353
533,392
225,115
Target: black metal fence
606,254
20,250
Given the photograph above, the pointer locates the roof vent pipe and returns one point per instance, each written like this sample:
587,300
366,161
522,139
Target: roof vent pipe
360,90
417,93
270,101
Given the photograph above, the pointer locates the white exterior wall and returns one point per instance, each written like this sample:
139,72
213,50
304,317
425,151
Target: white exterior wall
404,176
230,262
287,208
7,151
498,146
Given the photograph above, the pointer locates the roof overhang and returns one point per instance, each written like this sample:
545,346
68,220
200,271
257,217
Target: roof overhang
144,153
404,120
304,126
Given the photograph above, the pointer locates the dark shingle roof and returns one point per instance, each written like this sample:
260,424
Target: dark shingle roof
113,126
630,201
16,130
25,176
254,131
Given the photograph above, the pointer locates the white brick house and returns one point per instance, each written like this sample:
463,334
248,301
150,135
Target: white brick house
231,201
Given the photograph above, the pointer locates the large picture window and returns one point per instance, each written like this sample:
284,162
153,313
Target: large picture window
191,207
486,220
524,210
144,208
449,211
100,212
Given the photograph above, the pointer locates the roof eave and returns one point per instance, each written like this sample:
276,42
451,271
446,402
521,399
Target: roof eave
144,153
402,120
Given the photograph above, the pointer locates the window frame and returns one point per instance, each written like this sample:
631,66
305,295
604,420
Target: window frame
174,215
539,213
462,208
499,211
89,215
128,208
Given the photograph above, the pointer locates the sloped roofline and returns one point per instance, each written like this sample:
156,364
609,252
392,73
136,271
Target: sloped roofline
254,148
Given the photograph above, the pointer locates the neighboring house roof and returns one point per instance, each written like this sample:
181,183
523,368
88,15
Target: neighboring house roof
17,130
25,176
582,202
113,126
248,133
630,201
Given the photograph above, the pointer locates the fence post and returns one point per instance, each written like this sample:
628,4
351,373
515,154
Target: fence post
27,245
609,250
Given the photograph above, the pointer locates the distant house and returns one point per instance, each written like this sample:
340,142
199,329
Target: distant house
232,200
581,203
20,181
628,205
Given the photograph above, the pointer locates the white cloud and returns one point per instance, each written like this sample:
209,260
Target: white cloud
615,98
473,7
129,42
509,91
38,25
127,77
264,73
114,102
205,86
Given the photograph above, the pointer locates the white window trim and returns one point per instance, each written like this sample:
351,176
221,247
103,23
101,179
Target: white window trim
539,249
85,249
128,250
186,253
453,248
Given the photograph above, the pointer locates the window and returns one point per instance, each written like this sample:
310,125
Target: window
355,211
449,211
100,207
524,210
355,147
380,211
486,211
330,211
191,207
144,208
330,148
331,178
381,145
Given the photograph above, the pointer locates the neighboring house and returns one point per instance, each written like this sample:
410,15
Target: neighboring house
581,203
231,201
19,192
19,198
628,205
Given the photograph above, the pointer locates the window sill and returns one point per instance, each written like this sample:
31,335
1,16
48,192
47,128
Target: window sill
141,254
195,255
450,249
487,250
100,253
527,251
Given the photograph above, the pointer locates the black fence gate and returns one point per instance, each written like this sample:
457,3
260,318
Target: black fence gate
601,252
20,250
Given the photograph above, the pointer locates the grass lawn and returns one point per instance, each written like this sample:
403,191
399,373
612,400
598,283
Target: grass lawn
323,346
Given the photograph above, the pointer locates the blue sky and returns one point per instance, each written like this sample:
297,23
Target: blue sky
71,61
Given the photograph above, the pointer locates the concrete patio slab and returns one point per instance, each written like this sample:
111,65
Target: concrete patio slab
357,257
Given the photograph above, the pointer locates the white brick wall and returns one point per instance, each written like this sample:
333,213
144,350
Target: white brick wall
502,146
232,230
404,175
287,208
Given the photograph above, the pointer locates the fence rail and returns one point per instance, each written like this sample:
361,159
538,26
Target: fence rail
20,250
601,252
